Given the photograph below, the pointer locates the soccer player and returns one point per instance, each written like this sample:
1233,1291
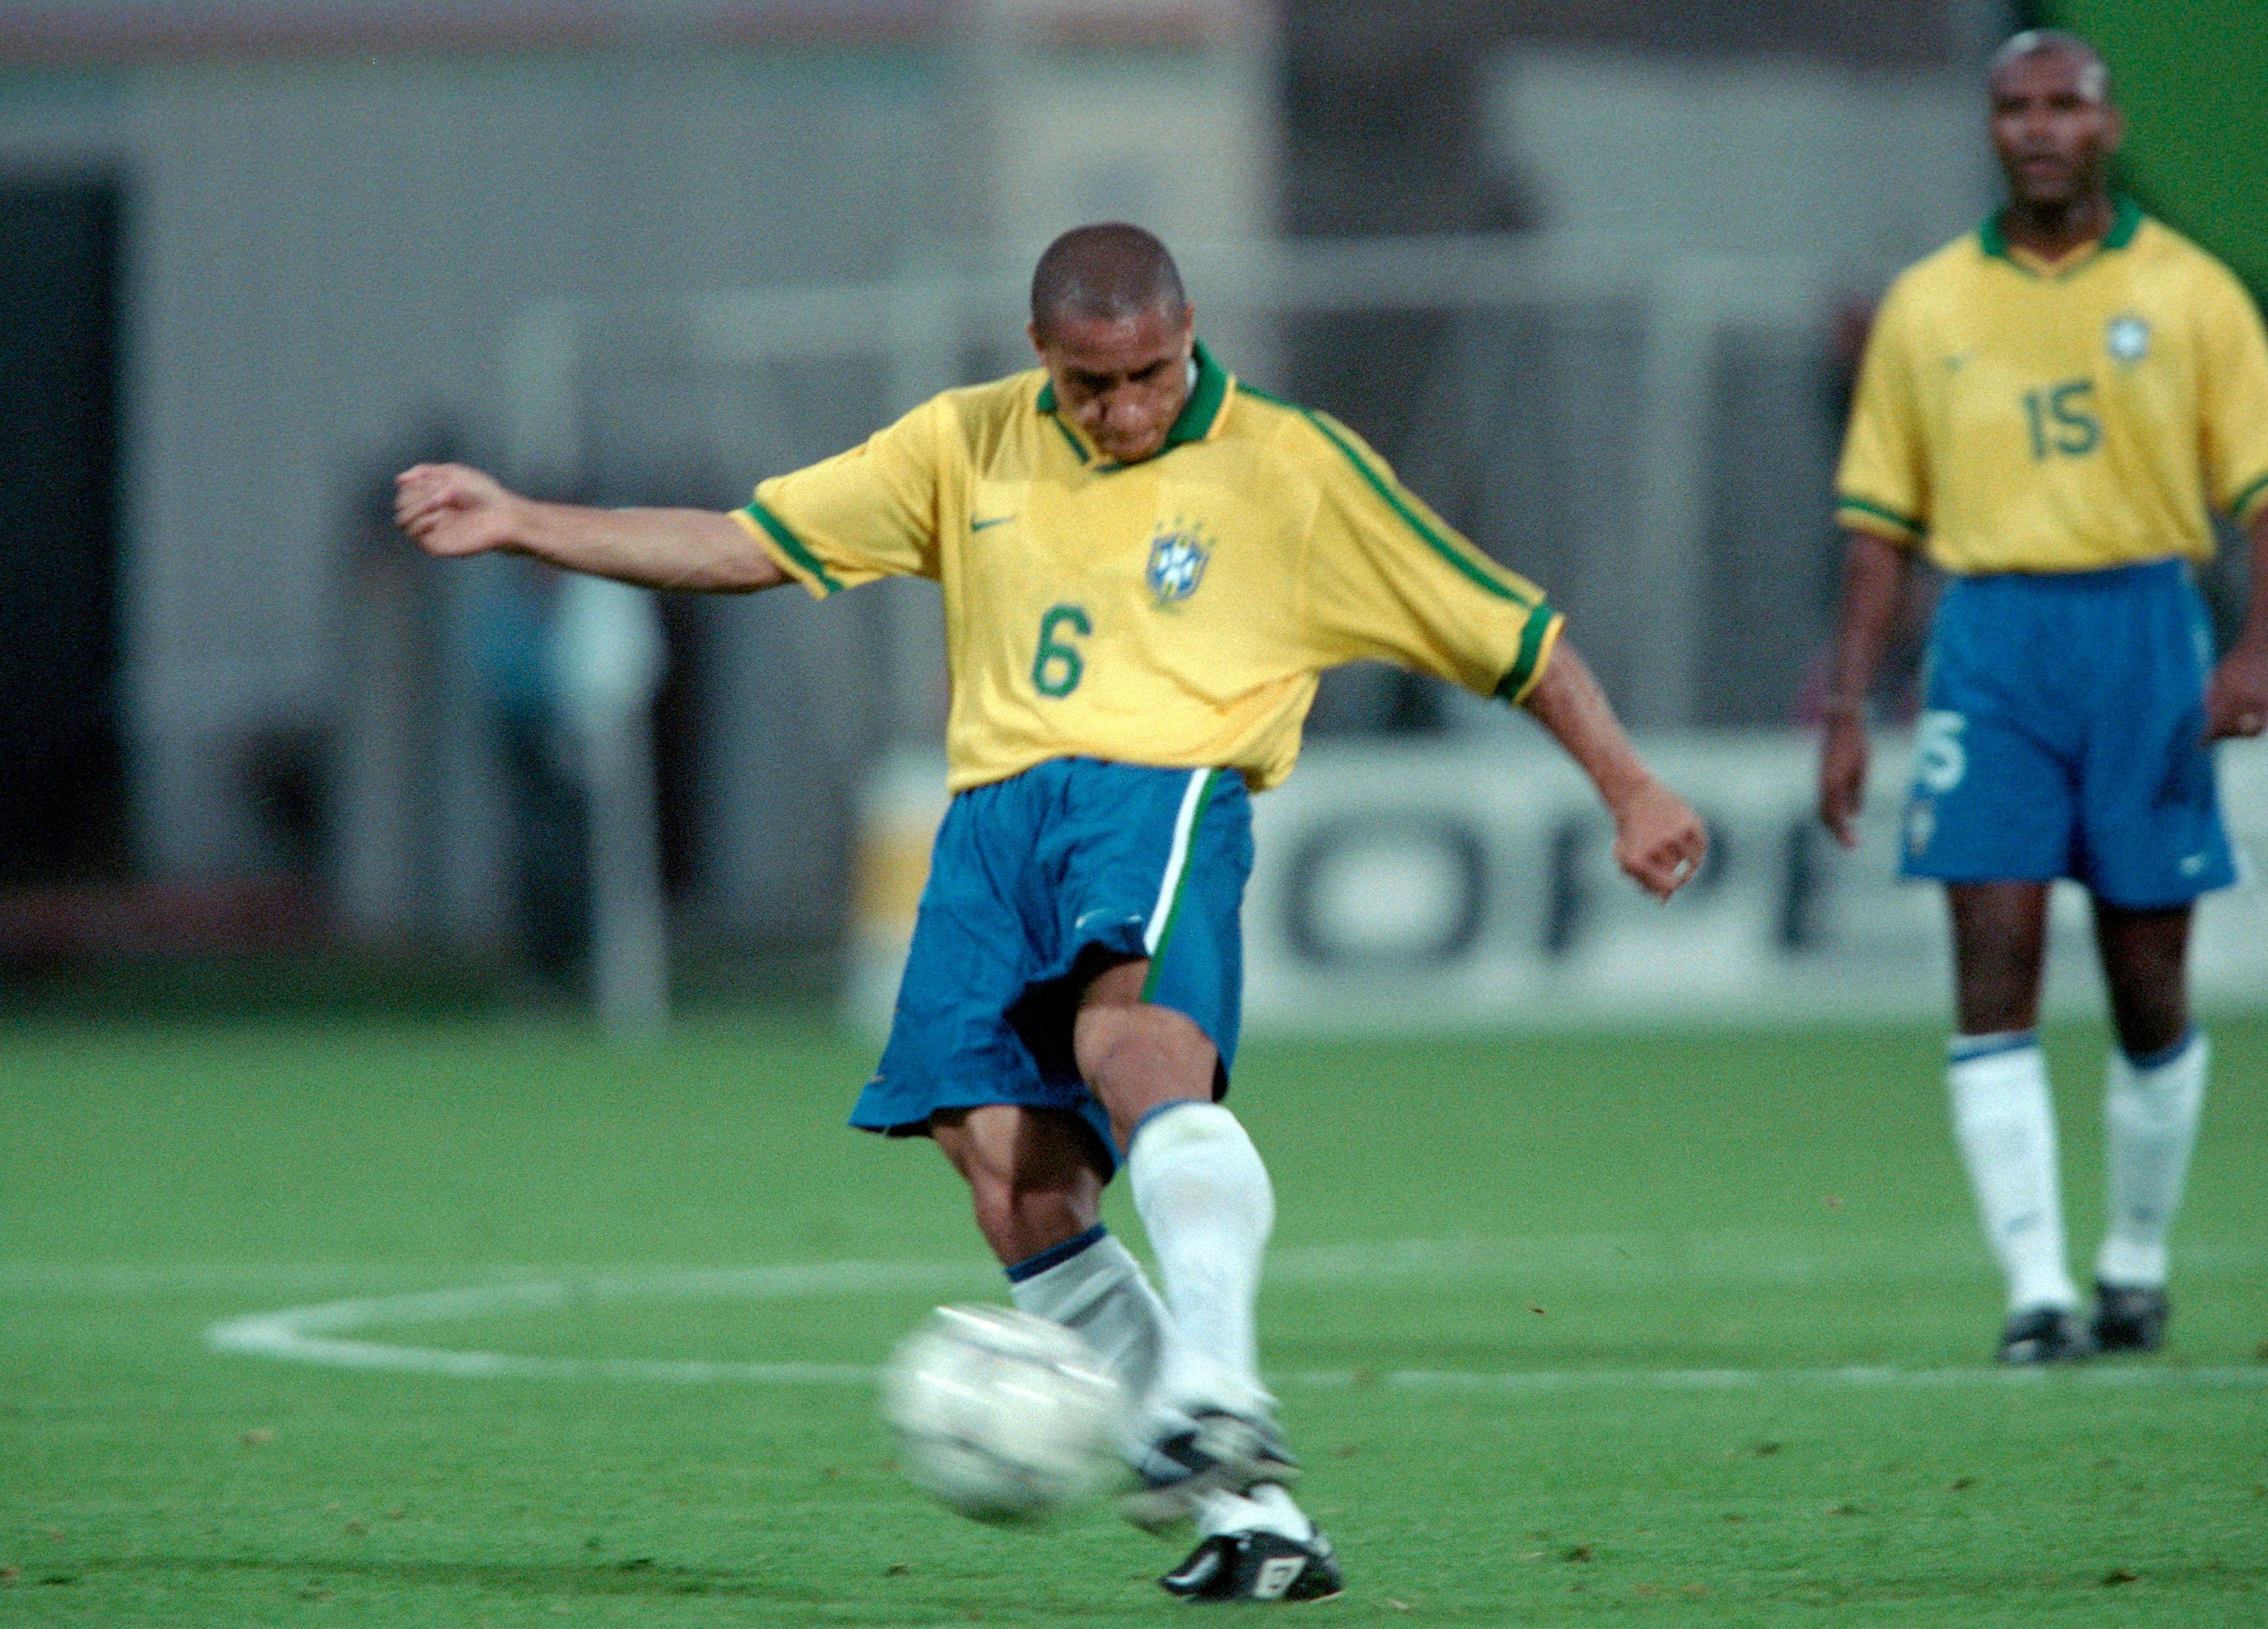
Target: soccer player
1146,564
2048,407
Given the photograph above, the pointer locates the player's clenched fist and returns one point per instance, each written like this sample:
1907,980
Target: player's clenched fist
452,510
2236,701
1659,842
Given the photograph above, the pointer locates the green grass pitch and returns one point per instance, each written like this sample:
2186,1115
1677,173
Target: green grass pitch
1681,1242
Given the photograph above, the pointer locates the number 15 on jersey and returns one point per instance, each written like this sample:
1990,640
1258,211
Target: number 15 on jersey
2063,420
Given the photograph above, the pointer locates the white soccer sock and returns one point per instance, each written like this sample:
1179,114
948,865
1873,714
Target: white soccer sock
2150,1118
1204,1200
2005,1123
1092,1285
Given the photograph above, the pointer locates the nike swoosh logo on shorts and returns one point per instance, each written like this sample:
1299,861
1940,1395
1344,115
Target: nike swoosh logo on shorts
976,525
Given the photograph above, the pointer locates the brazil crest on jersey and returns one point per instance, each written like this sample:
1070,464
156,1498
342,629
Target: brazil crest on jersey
1176,612
2022,417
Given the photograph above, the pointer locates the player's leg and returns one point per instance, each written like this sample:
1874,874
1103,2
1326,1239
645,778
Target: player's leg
1994,816
1999,945
1199,1184
982,1059
2154,843
1150,872
1037,1182
1030,1172
1034,1146
2003,1115
1205,1200
1138,1010
2145,970
2153,1099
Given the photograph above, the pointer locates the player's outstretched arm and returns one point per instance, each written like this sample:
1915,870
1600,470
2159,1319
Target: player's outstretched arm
2236,701
1874,572
454,511
1658,841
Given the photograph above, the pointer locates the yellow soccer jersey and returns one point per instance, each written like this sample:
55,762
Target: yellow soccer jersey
2016,418
1174,612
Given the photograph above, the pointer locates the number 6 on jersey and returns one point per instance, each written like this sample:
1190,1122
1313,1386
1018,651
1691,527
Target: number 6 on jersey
1059,668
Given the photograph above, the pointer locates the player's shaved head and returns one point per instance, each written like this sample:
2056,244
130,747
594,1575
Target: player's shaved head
2054,131
2095,73
1109,273
1115,331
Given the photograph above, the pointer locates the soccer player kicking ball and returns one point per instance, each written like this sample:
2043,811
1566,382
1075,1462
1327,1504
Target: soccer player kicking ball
2048,406
1146,565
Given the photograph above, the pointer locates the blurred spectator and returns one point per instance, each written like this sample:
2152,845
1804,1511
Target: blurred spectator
512,615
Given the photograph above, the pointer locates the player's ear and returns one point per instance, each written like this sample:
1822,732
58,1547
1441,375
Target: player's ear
1038,344
2114,130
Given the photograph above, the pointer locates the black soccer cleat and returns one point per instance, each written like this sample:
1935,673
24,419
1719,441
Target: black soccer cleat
2045,1335
2130,1320
1257,1567
1219,1453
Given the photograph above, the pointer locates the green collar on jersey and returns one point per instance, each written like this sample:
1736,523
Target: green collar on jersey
1199,414
2125,221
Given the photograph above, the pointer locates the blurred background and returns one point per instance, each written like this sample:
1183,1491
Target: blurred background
1593,274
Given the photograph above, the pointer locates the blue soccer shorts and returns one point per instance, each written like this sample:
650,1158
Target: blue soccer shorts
1036,884
2064,736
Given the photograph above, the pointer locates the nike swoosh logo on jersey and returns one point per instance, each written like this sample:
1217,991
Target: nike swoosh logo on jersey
976,525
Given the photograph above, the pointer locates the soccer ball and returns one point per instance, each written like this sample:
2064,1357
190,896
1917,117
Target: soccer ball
1003,1416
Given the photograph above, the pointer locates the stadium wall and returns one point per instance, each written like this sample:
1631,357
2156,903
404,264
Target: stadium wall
321,260
334,213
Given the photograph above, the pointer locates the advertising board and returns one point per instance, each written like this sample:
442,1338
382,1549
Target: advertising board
1470,883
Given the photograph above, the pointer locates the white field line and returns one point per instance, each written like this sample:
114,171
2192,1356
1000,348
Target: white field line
319,1334
312,1334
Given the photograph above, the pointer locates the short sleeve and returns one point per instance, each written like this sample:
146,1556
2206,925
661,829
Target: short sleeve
1881,487
1386,579
2232,399
867,513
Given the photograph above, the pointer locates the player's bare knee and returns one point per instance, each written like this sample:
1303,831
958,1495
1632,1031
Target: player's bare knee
2000,940
1143,1049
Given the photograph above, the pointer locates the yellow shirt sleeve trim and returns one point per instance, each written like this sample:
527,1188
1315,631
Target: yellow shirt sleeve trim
1862,516
1536,645
786,552
2250,501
